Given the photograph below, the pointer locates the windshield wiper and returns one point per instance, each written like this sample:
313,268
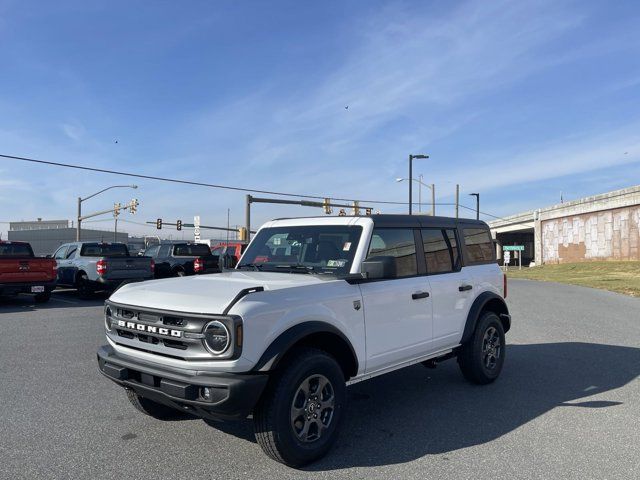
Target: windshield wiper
255,266
297,267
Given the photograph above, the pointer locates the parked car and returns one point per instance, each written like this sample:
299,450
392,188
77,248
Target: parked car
91,266
182,258
314,304
229,252
22,272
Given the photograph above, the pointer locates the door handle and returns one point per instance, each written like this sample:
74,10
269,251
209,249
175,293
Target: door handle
418,295
464,288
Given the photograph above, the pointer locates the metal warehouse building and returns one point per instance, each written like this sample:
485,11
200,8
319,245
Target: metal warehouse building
47,235
602,227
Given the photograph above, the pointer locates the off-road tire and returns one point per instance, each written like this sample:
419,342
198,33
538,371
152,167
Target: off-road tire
151,408
475,363
42,297
272,417
83,284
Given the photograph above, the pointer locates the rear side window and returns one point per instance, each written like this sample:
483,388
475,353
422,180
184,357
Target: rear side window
191,250
479,245
440,250
104,250
15,250
399,243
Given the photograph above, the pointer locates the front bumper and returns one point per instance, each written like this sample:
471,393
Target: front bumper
232,396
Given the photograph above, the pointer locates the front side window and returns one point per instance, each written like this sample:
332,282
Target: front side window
479,245
72,251
398,243
60,253
303,249
440,250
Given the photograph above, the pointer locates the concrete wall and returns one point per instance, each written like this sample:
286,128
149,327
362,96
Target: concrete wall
600,227
604,235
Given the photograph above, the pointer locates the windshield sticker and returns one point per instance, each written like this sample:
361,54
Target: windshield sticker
346,247
336,263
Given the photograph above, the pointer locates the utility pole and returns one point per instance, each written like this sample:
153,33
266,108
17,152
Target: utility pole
420,177
477,195
433,200
247,216
79,219
457,198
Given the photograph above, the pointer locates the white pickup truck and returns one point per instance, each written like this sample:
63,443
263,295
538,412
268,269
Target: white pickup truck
314,304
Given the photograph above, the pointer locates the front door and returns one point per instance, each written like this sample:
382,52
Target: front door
398,311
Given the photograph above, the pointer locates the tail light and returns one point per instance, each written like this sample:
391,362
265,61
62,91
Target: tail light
504,284
54,269
101,267
153,265
198,265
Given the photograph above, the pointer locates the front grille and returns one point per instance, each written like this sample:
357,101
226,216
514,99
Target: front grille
142,329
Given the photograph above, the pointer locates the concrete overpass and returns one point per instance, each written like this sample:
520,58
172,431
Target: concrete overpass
600,227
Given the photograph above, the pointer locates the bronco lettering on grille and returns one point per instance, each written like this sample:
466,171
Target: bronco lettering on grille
149,328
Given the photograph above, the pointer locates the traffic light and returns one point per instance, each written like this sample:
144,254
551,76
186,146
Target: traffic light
326,205
159,224
342,213
133,206
242,234
116,209
368,211
178,224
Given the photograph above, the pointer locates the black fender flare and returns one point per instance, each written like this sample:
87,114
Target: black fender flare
486,299
287,339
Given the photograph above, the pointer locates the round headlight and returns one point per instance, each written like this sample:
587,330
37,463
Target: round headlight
107,318
216,337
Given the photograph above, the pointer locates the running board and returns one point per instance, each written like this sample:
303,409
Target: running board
449,352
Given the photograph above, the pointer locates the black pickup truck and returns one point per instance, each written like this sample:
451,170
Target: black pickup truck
182,258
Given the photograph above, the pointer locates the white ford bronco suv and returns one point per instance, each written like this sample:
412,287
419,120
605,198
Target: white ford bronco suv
313,305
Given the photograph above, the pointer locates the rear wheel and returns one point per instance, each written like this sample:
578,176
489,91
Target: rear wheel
482,356
180,273
151,408
42,297
298,417
83,284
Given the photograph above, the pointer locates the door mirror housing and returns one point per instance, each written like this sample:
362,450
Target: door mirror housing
379,268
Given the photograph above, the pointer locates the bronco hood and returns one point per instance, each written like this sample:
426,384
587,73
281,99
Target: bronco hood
210,293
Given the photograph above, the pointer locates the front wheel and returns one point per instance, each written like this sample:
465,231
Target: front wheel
298,417
482,356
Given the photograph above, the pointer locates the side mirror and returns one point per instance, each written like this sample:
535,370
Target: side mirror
377,268
47,256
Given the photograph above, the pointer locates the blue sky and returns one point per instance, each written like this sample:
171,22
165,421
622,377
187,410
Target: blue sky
517,100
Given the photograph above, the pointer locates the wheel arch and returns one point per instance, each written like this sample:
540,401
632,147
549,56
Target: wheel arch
315,334
486,302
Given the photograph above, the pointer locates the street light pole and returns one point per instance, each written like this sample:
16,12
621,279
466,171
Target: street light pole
477,195
80,200
411,157
422,184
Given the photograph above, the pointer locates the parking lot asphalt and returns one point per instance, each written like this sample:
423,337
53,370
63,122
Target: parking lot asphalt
566,406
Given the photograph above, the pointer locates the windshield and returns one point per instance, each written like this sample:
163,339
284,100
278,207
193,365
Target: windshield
303,249
104,250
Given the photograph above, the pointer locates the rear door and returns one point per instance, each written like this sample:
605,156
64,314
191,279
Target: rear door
451,285
398,312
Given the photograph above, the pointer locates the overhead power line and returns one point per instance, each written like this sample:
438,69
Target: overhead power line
188,182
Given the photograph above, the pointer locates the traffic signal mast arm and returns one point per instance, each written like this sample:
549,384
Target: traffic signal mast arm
114,209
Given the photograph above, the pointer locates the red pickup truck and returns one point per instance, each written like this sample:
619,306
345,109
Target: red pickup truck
22,272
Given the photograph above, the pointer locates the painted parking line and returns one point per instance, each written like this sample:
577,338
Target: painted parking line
63,300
